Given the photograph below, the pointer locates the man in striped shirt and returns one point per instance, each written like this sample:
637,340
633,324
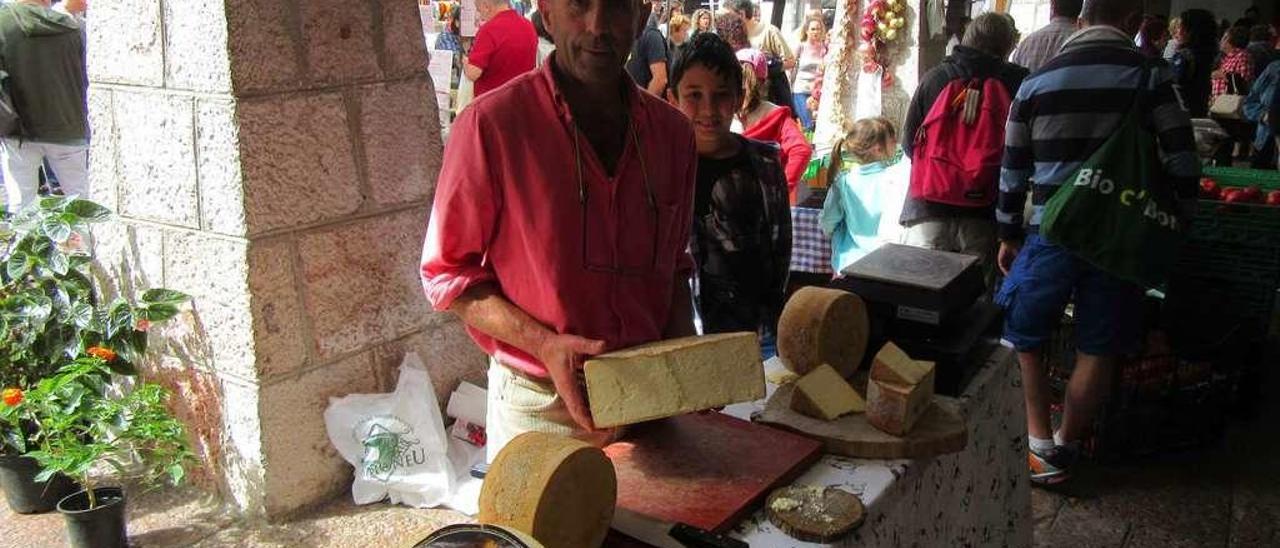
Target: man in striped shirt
1040,46
1060,116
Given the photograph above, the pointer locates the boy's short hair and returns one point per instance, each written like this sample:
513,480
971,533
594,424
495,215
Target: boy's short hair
711,51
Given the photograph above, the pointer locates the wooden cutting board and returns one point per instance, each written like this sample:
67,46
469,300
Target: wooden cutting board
709,470
940,430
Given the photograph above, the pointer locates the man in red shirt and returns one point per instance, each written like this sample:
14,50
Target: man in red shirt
506,46
561,221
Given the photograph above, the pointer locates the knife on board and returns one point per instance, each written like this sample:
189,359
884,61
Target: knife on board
653,531
667,534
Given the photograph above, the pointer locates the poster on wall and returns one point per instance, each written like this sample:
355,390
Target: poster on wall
468,19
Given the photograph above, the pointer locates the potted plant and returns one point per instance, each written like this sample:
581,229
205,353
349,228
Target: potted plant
97,433
51,313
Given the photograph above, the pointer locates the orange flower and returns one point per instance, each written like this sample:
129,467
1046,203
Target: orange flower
106,354
11,396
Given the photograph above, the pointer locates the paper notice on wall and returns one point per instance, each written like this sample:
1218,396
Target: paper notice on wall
440,67
869,102
468,18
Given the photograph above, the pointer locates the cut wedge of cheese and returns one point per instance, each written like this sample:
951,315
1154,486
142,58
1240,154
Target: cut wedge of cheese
895,408
821,325
673,377
824,394
892,365
558,490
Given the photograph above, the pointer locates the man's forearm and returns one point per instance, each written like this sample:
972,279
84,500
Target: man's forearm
680,318
484,308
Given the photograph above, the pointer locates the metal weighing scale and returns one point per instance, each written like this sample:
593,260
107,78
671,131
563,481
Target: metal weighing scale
929,303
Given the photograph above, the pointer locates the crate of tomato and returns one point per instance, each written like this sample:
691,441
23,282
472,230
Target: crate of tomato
1229,266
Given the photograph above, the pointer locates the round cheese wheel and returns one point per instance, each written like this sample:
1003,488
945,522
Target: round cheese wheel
821,325
559,490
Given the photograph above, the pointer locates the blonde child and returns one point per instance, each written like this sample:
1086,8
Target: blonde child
864,202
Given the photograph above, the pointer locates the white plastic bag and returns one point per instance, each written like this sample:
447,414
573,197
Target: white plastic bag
396,441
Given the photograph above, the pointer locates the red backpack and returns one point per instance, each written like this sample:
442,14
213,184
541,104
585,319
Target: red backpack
960,145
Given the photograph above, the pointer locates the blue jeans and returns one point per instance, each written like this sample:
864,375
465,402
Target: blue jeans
801,101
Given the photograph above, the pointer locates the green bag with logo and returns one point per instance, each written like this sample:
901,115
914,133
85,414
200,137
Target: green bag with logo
1116,211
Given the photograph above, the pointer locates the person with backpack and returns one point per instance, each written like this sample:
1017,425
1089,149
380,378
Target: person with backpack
1099,126
954,135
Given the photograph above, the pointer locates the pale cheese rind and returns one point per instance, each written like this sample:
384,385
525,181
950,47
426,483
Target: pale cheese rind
820,325
559,490
673,377
824,394
895,408
893,365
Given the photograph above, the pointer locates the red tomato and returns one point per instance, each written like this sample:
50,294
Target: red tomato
1209,189
1233,196
1273,198
1252,194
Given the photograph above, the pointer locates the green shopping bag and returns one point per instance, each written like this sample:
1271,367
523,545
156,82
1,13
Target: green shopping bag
1115,211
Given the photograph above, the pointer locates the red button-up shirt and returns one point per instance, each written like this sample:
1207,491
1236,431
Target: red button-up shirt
510,210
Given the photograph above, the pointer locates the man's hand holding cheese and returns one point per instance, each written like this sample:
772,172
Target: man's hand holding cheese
561,221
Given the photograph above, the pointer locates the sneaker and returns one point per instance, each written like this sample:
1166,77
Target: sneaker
1053,468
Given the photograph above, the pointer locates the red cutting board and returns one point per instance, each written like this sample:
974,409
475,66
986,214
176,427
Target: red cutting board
709,470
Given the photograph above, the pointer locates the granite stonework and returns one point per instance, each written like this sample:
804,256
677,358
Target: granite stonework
276,161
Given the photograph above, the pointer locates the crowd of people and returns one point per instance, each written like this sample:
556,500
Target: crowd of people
680,207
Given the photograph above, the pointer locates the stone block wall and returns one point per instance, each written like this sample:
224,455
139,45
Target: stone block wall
276,160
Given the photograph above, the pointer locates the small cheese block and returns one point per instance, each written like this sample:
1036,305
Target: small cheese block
821,325
892,365
559,490
673,377
823,394
895,408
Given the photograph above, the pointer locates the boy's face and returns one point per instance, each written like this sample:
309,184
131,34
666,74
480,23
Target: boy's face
709,101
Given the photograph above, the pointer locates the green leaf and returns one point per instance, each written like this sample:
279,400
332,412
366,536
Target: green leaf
88,210
176,473
57,261
18,265
119,318
166,296
158,312
80,314
56,229
50,203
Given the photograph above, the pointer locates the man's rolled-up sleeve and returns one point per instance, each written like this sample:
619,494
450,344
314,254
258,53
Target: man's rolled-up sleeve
463,218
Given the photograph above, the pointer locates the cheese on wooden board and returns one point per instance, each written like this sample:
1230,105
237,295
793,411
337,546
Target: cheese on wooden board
820,325
813,513
673,377
895,408
892,365
559,490
824,394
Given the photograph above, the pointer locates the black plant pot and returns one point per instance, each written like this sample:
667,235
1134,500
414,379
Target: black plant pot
25,495
103,526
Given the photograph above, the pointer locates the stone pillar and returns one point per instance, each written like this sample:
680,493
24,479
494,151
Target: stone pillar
276,160
913,54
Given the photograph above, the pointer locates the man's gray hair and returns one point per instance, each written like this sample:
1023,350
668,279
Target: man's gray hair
992,33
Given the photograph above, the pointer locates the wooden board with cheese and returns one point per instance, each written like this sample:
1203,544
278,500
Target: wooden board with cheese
940,430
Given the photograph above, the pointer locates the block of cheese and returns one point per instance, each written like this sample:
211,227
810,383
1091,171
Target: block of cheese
892,365
673,377
895,408
558,490
824,394
819,326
